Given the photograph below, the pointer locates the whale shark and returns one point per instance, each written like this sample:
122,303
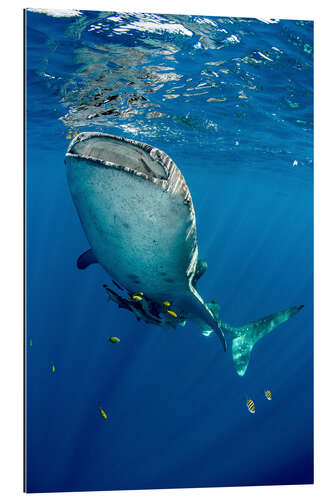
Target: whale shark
137,213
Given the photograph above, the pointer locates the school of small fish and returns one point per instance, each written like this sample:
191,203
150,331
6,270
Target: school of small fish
138,296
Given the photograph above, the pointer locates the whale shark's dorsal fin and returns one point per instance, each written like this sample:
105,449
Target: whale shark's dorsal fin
200,269
86,259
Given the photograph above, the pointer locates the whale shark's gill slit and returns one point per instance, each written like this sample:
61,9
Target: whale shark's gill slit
120,153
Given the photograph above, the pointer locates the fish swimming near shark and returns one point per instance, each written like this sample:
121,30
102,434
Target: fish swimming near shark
138,216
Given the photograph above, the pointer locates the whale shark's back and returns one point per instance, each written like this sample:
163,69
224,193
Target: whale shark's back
136,211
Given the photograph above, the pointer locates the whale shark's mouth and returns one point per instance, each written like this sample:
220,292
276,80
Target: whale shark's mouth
114,151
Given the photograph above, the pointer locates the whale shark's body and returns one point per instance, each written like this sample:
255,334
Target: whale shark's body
138,216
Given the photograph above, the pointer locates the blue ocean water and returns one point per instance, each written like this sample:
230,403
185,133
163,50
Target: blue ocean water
230,101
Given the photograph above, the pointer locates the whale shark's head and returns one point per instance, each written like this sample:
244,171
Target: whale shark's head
116,152
137,159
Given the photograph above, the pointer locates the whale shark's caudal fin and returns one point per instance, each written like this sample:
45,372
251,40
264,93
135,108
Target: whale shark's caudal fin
244,337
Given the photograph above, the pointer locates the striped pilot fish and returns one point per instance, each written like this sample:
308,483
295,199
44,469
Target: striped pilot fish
250,406
268,395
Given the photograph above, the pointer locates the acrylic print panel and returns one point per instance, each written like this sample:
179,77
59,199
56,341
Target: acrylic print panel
169,234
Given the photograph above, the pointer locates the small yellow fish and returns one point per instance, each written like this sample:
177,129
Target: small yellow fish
166,303
30,343
250,406
139,293
53,368
114,340
136,297
268,395
172,313
102,412
68,136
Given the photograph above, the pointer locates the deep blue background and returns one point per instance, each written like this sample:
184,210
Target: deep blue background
176,409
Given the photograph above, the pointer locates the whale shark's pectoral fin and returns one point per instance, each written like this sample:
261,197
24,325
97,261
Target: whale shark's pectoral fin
86,259
244,337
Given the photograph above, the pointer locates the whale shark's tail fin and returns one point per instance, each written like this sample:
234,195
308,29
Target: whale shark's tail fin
244,337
